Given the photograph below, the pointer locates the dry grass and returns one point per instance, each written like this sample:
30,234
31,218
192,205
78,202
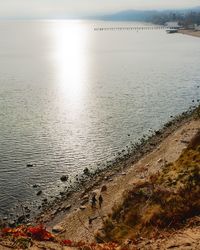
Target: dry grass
163,202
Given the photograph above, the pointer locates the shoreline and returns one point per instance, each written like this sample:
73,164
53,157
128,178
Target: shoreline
175,138
71,201
74,228
82,224
190,32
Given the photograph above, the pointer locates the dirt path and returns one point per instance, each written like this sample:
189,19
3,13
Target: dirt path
76,224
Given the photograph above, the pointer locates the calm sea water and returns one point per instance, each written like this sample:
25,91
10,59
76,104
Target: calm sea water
69,97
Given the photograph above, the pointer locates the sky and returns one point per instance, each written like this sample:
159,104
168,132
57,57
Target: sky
76,8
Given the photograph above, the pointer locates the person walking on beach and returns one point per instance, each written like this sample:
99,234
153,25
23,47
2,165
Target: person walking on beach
94,200
100,200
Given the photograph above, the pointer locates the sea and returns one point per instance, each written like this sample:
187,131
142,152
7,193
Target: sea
73,96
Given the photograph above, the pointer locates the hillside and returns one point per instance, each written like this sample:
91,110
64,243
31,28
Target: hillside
154,16
129,15
165,201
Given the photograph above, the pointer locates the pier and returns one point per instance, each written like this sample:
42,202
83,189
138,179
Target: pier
136,28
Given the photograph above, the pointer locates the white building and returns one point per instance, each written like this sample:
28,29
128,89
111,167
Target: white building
191,26
173,25
197,27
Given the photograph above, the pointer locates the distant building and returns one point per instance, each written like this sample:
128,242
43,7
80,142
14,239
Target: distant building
197,27
172,25
191,26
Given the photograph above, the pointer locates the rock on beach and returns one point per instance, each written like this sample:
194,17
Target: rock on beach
64,178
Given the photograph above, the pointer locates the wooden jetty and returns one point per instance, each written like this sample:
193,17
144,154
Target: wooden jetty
136,28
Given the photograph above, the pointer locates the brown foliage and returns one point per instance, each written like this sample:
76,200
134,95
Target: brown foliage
167,200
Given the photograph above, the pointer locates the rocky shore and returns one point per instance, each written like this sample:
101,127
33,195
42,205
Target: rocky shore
77,197
72,216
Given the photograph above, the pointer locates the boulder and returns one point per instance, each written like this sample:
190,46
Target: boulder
86,171
21,219
29,165
54,212
39,192
68,207
64,178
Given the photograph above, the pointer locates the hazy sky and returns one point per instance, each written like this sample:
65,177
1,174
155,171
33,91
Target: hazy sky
59,8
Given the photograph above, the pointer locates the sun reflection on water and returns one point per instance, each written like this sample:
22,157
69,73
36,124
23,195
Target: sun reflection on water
70,59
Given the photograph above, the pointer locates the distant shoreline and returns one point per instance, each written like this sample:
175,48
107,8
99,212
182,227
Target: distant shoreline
190,32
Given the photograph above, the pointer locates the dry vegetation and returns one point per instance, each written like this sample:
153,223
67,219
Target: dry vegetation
164,201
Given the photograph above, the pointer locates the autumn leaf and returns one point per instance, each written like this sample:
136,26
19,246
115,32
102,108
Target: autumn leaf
66,242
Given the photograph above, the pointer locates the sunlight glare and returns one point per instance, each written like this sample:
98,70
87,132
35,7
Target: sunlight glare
70,59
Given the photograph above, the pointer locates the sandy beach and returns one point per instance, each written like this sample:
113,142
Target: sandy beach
190,32
71,215
55,212
148,165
